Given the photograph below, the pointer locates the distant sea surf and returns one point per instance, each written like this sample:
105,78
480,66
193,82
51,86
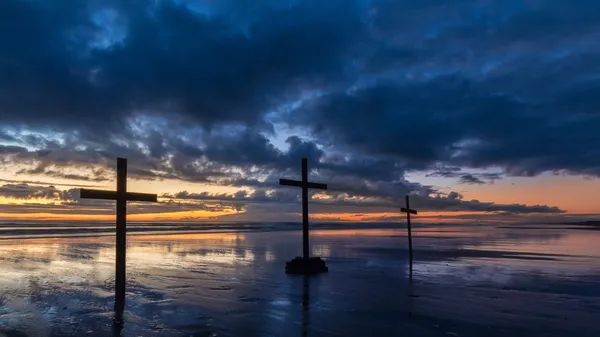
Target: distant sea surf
87,229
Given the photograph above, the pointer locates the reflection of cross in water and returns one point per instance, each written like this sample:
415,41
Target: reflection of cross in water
305,302
121,196
408,212
411,295
305,184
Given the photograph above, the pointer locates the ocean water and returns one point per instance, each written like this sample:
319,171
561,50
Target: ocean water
229,280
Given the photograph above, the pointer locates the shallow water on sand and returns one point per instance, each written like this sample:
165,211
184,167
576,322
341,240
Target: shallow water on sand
467,281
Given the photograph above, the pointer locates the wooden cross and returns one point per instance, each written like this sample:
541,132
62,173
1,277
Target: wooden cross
121,196
408,212
305,184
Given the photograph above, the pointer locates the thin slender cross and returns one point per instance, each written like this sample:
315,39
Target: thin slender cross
121,196
408,212
305,184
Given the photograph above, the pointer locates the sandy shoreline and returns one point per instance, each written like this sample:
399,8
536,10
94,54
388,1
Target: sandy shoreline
232,284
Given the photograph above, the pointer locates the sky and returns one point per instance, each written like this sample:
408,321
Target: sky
481,110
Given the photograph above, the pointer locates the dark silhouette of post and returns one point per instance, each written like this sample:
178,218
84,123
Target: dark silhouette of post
408,212
305,237
308,265
121,196
305,303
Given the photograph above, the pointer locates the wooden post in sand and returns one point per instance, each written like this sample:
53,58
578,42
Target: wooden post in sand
121,196
305,265
408,212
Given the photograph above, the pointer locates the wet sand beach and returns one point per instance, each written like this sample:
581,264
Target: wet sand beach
467,281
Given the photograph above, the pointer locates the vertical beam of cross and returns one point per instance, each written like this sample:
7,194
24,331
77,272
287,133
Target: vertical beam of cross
121,196
121,236
408,212
305,185
305,237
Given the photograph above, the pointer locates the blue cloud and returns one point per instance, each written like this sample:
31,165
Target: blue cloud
382,87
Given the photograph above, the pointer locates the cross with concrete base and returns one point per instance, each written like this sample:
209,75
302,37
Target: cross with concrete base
305,265
121,196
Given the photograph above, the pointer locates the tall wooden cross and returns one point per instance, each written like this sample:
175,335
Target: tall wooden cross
408,212
305,184
121,196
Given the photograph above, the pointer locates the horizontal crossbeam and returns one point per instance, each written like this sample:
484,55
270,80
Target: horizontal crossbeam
411,211
297,183
112,195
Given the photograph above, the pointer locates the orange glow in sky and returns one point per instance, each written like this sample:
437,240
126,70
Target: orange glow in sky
170,216
575,194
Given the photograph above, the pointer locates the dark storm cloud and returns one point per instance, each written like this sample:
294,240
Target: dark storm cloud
25,191
452,202
33,182
68,201
508,87
247,149
207,69
5,137
464,178
4,149
282,200
211,160
239,197
451,119
223,66
470,179
346,188
97,176
188,92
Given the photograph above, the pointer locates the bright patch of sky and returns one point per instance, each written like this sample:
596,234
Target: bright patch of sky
462,147
112,28
282,130
447,184
199,6
141,123
282,133
27,139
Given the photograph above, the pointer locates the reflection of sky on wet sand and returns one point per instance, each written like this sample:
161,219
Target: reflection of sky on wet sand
504,254
232,284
